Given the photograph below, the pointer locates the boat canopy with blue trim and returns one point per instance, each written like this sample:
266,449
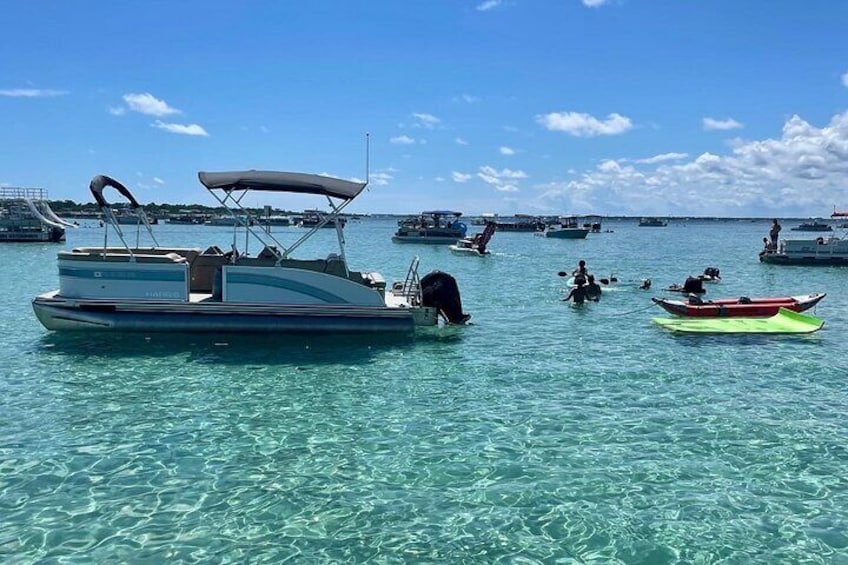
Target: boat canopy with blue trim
274,181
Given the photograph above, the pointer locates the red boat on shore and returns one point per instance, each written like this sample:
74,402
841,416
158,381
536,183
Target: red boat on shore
739,307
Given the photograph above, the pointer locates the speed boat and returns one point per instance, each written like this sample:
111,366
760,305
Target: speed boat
566,228
476,245
177,289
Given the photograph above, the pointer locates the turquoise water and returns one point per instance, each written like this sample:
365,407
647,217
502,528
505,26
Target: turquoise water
541,433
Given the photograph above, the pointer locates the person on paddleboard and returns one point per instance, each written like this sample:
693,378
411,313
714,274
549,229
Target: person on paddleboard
581,270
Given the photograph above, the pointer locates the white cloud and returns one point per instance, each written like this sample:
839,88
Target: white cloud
609,166
146,103
662,157
460,141
504,180
595,3
711,124
116,110
32,93
426,121
803,172
488,5
469,98
157,180
381,178
584,125
401,140
507,150
183,129
460,177
845,80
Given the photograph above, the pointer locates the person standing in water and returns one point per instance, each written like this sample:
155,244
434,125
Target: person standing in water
578,293
593,289
774,232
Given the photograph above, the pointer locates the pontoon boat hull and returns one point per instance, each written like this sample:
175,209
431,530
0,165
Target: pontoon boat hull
434,239
57,313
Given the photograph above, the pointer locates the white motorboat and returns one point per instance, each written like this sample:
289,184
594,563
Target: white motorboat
174,289
477,244
566,228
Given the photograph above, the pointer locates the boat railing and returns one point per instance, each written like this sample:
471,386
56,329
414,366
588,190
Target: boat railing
22,193
411,286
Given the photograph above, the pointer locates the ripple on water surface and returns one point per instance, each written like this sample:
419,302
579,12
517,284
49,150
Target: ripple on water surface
541,433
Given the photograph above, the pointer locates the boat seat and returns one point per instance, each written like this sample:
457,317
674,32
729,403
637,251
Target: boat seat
142,254
269,252
203,270
123,257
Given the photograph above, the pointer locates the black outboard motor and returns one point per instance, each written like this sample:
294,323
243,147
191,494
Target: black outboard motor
694,285
439,290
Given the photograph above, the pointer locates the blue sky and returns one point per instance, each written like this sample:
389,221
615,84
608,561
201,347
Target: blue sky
630,107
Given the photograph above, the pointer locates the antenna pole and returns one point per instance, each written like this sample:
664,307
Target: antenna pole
367,157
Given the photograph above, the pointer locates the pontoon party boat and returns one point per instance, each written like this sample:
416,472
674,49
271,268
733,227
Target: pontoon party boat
175,289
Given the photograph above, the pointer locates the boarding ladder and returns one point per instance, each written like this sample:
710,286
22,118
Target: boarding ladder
410,288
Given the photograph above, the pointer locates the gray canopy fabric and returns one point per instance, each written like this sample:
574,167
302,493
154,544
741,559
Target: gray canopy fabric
274,181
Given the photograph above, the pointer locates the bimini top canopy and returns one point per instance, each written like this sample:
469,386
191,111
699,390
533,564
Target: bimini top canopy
274,181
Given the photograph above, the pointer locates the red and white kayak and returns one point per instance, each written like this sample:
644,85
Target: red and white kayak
739,307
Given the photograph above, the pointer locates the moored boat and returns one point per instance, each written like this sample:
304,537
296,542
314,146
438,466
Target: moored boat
435,226
652,223
320,219
821,251
566,228
738,307
521,223
26,216
174,289
815,225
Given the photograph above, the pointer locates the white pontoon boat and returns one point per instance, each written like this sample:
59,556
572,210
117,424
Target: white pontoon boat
156,288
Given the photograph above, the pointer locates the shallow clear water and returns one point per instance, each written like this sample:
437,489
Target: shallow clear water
541,433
